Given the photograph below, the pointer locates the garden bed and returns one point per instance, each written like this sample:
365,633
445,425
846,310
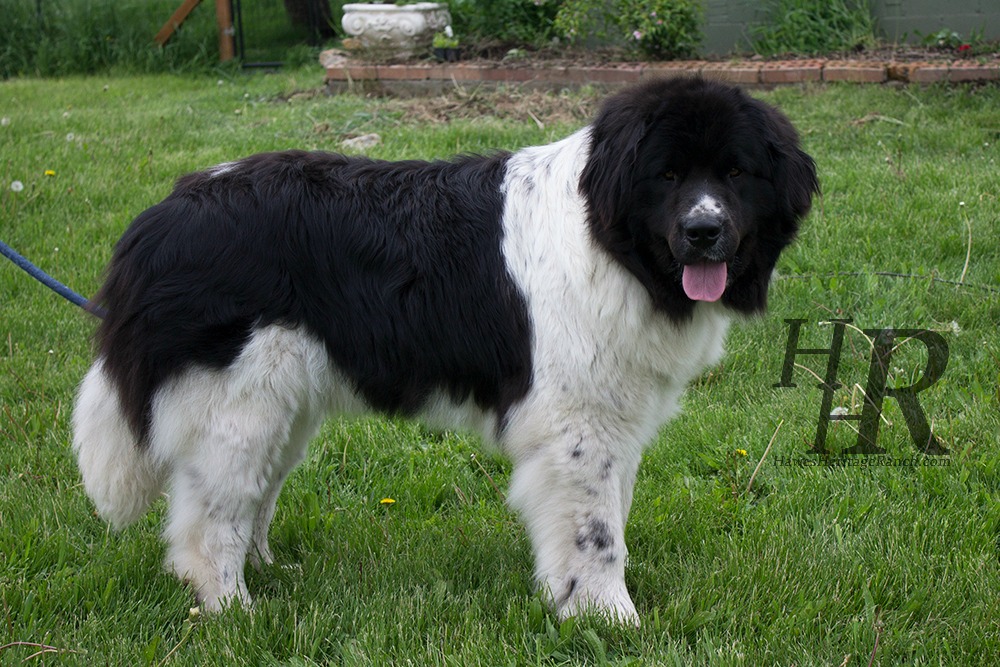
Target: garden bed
906,65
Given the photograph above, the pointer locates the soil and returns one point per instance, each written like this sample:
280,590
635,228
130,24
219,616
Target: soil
562,56
546,108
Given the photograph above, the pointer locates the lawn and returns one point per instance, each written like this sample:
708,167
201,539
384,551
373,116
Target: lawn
811,562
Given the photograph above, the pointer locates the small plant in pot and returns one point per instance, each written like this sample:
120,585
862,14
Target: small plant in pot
446,48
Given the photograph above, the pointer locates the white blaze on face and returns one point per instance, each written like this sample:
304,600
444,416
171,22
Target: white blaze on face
706,205
705,281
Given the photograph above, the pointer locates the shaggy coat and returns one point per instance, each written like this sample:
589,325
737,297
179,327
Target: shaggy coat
556,299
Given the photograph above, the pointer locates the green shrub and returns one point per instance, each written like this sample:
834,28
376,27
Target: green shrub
661,29
509,22
814,26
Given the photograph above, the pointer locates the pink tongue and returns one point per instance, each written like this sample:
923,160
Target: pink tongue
705,281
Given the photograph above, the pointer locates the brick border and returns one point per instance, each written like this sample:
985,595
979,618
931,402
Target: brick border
767,73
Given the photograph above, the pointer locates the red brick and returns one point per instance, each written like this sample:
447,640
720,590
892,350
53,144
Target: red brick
853,71
744,73
402,72
792,71
968,71
336,74
928,73
361,73
552,74
464,72
670,70
438,73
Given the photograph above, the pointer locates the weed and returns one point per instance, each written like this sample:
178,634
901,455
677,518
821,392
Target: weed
814,26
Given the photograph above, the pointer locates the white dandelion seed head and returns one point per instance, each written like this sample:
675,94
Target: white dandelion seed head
5,121
17,186
70,136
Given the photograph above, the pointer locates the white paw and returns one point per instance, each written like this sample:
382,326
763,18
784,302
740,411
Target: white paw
612,602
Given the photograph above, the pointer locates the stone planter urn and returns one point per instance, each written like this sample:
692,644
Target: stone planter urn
394,30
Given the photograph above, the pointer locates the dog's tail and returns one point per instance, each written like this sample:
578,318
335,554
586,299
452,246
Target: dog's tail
118,472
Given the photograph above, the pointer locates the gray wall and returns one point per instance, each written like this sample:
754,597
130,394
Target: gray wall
726,21
898,20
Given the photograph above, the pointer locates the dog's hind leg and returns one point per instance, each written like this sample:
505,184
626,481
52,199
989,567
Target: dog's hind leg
235,434
293,453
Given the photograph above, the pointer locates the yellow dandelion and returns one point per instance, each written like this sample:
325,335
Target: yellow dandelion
386,501
50,172
741,452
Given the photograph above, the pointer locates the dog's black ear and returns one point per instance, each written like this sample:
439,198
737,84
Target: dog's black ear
794,170
607,177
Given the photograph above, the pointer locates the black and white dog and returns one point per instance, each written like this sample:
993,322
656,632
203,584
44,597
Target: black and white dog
556,299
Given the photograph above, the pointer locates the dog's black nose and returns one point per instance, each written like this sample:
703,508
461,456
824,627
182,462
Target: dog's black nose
702,232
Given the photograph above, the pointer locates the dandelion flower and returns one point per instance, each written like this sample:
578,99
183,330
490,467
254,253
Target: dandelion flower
5,121
70,137
50,172
386,501
17,186
741,452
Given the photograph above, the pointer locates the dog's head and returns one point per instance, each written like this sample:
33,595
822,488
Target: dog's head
696,188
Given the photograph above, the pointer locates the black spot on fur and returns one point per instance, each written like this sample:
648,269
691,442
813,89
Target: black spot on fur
594,534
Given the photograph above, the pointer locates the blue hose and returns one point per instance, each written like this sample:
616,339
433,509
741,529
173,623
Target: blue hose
50,282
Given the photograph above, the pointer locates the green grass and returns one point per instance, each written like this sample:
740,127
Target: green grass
64,37
809,567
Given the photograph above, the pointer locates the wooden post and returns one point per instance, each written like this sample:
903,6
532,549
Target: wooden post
175,21
224,17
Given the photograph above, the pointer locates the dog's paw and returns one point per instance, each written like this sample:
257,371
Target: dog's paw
612,602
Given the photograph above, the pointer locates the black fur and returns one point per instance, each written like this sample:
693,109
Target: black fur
700,131
397,267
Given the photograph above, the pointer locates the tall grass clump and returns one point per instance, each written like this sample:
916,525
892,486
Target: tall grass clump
813,26
59,37
506,22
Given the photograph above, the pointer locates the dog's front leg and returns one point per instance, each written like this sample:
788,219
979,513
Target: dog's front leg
573,494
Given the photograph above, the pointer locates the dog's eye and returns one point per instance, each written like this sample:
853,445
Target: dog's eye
734,172
670,176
